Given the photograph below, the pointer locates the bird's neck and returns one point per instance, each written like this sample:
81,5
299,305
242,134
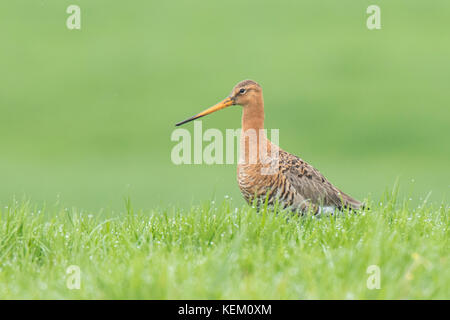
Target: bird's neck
253,115
253,134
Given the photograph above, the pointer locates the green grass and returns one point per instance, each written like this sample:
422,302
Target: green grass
220,252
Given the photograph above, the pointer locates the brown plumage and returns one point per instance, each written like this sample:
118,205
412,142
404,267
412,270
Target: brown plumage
268,173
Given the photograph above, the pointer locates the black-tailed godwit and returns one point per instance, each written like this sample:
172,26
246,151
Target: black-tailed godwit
268,173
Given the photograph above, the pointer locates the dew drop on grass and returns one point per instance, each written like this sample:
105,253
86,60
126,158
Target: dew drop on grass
350,296
42,285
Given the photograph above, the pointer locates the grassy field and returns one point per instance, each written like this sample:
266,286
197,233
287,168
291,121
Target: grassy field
86,115
86,118
217,252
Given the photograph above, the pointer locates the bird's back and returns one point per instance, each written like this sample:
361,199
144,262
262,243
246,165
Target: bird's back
294,184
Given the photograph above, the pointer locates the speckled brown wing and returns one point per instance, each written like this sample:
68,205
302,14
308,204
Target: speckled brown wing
312,185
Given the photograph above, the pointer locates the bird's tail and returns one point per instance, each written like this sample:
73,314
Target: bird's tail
351,203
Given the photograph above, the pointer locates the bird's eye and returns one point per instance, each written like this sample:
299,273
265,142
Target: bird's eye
242,90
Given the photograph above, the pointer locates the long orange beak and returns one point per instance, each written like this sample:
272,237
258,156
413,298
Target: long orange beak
221,105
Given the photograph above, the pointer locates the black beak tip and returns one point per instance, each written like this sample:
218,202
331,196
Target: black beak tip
187,120
183,122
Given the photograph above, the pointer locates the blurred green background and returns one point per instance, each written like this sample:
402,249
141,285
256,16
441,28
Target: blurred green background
86,115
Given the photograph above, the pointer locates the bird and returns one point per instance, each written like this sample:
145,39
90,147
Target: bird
267,174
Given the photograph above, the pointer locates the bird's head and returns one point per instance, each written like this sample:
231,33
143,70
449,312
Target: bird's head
242,94
245,92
